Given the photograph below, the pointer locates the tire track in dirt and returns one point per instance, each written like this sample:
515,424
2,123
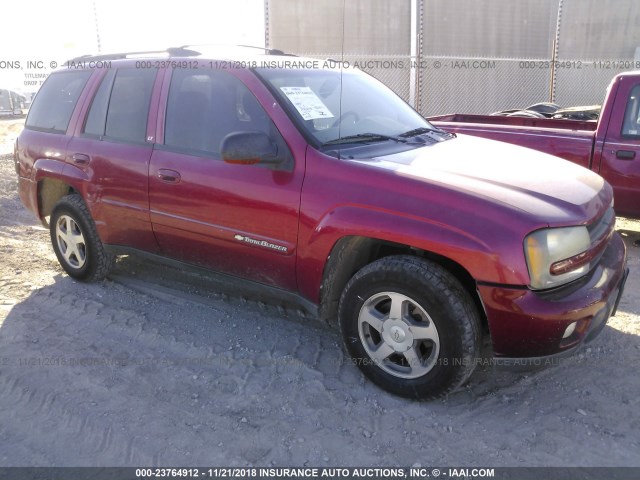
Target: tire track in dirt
137,330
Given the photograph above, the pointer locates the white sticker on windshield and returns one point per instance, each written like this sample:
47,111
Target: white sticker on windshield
309,106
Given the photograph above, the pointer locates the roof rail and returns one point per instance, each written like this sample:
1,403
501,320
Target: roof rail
173,52
271,51
181,51
268,51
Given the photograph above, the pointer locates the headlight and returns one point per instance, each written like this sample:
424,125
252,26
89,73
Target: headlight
557,255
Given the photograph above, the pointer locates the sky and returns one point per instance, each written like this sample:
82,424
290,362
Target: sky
50,31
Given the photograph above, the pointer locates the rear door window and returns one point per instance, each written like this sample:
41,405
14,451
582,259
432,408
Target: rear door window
54,104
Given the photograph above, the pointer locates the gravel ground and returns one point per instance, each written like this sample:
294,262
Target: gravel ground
158,367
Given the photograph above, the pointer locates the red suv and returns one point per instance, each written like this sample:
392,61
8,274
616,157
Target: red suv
318,183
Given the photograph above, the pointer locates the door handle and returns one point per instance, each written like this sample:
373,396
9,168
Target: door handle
81,159
168,176
625,154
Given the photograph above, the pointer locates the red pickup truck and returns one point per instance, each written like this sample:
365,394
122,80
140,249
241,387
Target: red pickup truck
323,186
609,146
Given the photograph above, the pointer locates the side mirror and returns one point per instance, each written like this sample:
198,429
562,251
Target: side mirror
249,148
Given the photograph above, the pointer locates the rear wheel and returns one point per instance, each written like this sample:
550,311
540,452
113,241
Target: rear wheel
410,326
76,242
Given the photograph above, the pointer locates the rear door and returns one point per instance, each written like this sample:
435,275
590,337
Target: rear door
620,163
238,219
111,149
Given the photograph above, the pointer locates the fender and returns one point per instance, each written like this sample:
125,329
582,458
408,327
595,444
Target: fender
45,168
470,252
70,174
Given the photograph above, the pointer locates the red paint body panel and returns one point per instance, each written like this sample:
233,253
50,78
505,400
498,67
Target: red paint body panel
119,202
343,198
117,176
459,199
593,145
623,174
197,218
572,144
438,201
33,146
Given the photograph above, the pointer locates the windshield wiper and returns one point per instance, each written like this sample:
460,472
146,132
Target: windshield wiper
363,138
419,131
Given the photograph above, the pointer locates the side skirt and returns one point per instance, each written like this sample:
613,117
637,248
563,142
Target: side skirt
247,287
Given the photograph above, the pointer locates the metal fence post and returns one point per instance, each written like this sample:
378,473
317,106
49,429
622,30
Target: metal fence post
554,55
266,24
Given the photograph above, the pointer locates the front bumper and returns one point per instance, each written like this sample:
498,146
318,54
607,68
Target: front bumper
524,323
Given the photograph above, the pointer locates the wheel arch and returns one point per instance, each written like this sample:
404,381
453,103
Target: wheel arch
50,191
352,253
55,179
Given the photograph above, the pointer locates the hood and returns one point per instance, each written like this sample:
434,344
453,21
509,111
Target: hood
542,185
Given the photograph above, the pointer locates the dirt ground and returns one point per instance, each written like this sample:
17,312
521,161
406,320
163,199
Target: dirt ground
154,366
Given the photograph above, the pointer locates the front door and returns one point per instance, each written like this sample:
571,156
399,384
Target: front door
238,219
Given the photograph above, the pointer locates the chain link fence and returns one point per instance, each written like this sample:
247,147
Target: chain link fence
393,70
483,56
587,81
437,85
479,85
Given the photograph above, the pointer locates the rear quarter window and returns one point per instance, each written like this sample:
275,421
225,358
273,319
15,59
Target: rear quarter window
53,106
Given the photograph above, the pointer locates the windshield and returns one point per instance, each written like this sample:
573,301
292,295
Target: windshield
367,111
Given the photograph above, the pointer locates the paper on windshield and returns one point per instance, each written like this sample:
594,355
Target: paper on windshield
309,106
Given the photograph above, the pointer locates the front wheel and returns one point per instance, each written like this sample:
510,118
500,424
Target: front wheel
410,326
76,241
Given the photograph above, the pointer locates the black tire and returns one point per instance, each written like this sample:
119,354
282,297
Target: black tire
441,364
88,261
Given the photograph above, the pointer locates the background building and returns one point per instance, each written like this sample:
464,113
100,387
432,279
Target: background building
13,103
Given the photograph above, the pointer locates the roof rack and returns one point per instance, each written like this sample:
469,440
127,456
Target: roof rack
268,51
181,51
173,52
